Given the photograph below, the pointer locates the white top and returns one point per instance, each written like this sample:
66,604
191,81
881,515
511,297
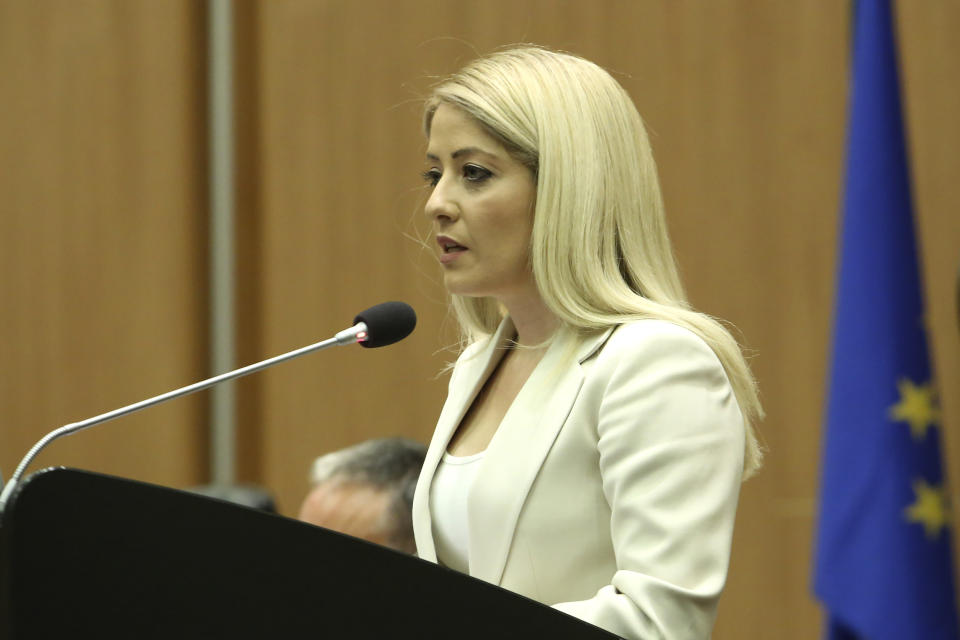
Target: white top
448,506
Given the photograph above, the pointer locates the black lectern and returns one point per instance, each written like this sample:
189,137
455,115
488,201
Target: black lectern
84,555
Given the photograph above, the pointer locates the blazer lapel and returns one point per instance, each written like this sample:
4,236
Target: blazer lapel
471,374
518,450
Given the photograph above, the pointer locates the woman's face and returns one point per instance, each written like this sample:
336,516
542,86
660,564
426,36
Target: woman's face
481,207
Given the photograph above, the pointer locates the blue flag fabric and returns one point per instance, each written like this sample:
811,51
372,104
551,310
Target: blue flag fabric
883,565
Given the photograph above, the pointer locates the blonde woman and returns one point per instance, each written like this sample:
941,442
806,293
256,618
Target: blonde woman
596,431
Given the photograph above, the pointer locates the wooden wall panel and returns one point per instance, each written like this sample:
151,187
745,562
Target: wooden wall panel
751,172
102,246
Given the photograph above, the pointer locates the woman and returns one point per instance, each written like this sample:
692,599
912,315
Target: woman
596,431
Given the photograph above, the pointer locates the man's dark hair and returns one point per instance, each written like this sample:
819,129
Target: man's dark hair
388,464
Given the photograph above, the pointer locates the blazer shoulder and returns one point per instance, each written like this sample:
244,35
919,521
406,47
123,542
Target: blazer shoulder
654,337
654,344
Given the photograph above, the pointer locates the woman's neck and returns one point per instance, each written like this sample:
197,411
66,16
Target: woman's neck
534,322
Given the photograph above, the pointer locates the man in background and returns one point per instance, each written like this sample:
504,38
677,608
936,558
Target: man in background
366,491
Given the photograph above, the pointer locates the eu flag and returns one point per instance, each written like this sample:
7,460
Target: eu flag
883,565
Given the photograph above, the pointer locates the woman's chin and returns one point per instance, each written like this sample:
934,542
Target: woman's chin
457,287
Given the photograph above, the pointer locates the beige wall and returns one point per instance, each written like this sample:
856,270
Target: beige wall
103,231
103,270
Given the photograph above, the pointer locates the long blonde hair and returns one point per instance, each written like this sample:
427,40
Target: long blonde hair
600,252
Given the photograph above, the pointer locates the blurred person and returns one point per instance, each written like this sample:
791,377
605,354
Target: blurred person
366,491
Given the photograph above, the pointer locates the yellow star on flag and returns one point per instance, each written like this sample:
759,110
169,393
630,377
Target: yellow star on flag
930,508
917,406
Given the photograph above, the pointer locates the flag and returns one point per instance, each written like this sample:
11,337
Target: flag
883,560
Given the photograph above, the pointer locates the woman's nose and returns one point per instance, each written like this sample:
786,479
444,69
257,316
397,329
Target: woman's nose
440,205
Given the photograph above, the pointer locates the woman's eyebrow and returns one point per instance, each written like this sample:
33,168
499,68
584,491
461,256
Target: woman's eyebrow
465,151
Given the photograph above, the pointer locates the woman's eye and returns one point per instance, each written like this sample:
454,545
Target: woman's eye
431,177
474,173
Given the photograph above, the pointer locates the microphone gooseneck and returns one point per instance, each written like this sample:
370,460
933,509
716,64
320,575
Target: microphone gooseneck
378,326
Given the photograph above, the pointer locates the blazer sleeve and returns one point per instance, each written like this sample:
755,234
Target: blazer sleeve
670,437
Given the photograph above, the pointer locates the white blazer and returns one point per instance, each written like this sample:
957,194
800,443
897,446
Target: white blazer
610,487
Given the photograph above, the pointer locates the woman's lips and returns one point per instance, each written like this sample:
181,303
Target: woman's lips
449,255
450,249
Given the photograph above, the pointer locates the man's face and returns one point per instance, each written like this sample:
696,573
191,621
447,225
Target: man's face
355,509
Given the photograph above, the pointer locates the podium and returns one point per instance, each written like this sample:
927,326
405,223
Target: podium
93,556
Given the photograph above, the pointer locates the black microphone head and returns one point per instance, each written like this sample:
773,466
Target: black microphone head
387,322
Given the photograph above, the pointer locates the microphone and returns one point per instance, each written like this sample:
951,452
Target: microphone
388,322
378,326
